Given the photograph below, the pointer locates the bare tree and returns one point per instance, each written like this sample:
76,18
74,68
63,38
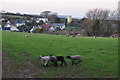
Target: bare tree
115,16
53,17
99,24
98,14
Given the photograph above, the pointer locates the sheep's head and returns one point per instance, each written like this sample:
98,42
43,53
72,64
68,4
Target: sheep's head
67,56
40,57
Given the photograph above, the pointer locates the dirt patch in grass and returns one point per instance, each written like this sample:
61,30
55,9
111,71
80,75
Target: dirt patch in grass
27,69
26,55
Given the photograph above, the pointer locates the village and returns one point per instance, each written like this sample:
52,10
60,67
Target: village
72,39
37,23
52,23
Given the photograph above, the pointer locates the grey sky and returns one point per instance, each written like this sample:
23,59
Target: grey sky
75,8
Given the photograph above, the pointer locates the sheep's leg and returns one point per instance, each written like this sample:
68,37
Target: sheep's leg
75,62
64,62
55,64
72,62
61,63
46,63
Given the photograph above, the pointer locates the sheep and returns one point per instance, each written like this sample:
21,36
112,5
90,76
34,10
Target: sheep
94,36
78,35
67,35
54,60
73,34
45,59
26,35
61,58
74,59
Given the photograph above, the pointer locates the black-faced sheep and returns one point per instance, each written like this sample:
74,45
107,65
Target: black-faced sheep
74,59
61,58
54,60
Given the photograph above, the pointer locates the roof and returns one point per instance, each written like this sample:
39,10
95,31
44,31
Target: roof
11,28
62,16
58,24
46,25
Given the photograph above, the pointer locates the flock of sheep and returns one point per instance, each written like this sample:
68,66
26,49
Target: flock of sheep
46,59
55,59
71,34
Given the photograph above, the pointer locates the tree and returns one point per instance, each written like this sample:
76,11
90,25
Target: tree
99,23
116,16
98,14
52,16
45,13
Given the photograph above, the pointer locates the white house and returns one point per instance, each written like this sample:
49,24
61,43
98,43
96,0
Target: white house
13,28
42,18
20,24
58,25
52,29
0,27
34,28
9,27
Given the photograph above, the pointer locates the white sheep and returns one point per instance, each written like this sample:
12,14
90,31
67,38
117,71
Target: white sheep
75,58
45,59
26,35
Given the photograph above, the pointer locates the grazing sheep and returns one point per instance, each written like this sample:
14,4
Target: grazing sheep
73,34
94,36
26,35
54,60
67,35
61,58
45,59
74,58
78,35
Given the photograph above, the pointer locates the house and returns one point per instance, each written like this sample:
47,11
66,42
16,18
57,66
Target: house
19,23
9,27
13,28
46,26
59,26
52,29
34,28
0,27
45,20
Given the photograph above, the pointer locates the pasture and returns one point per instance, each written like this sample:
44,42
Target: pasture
20,55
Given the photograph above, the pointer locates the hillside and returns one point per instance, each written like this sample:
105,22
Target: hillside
20,56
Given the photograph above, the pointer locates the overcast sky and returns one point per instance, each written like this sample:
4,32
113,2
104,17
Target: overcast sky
75,8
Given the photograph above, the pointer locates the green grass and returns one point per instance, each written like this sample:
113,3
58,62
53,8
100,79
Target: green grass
0,40
100,55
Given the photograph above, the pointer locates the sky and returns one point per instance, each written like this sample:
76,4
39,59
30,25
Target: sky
75,8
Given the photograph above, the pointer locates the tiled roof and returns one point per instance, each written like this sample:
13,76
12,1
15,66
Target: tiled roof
46,26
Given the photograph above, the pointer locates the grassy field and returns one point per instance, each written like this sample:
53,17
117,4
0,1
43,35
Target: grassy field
100,55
